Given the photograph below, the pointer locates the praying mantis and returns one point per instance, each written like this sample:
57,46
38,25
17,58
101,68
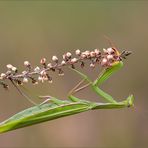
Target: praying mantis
53,108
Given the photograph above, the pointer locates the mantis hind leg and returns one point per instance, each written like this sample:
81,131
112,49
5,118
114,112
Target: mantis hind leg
102,78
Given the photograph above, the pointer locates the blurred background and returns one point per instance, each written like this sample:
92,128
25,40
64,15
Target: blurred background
30,30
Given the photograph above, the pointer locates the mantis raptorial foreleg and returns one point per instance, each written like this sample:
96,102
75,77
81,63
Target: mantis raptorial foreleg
104,76
94,86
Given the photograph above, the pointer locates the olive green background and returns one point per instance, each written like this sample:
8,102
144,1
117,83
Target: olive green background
30,30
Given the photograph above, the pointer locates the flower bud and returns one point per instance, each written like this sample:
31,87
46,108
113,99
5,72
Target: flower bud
45,78
68,54
110,57
26,63
2,76
37,69
87,53
43,73
74,60
49,65
92,54
110,50
54,58
63,63
40,79
104,62
14,69
78,52
83,55
25,80
97,51
43,61
92,65
24,72
9,66
105,51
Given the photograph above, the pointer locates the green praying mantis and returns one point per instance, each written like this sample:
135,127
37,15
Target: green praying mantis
53,108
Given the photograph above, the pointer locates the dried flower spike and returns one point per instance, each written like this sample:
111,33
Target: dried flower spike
104,59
